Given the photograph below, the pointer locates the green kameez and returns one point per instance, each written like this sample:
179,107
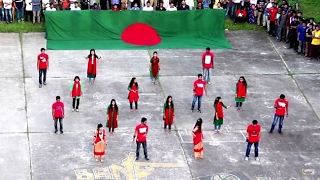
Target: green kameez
220,120
239,99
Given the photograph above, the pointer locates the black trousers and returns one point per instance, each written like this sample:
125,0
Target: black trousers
136,105
272,28
239,19
144,145
111,129
44,72
29,15
293,40
74,100
165,126
60,123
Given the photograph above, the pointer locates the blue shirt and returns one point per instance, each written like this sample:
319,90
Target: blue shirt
303,33
113,2
36,7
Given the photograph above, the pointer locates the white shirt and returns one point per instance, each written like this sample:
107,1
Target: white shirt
269,5
146,8
218,8
253,2
46,2
75,9
28,6
92,2
171,9
49,9
9,6
236,1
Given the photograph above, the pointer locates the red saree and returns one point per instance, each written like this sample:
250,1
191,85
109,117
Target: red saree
198,143
99,144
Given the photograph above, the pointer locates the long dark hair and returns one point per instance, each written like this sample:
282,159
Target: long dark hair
198,124
99,126
77,77
132,82
115,104
216,101
167,102
96,56
244,80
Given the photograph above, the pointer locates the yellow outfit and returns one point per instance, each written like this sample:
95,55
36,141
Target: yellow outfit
314,40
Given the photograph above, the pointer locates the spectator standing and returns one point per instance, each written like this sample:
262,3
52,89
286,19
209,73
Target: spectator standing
273,15
252,14
315,44
260,9
51,7
309,39
183,6
253,137
92,2
199,88
135,7
281,105
75,7
148,7
19,5
43,66
84,4
189,3
71,2
8,10
115,2
207,65
1,12
230,9
199,6
266,16
29,13
36,11
218,6
115,8
206,4
282,22
302,33
140,136
65,5
124,4
58,114
171,7
237,5
293,34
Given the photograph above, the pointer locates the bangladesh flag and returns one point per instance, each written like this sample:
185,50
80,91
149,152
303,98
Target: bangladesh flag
121,30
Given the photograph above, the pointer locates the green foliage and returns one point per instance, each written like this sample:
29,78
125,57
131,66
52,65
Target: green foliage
22,27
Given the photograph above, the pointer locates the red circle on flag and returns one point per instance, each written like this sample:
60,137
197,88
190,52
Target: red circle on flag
140,34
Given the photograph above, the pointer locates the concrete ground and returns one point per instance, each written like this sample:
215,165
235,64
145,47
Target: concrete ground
31,151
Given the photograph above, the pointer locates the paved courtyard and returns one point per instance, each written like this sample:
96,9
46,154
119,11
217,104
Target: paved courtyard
31,151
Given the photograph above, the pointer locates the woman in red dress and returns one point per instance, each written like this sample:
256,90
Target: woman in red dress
112,116
99,143
92,65
168,112
198,139
133,95
154,67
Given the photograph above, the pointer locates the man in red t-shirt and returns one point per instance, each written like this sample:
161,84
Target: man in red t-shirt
58,114
42,66
207,64
281,105
140,136
273,11
199,87
253,137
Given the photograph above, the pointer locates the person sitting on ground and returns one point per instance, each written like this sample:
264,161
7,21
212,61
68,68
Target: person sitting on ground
199,6
75,7
183,6
95,7
160,7
148,7
241,15
218,6
135,7
172,7
115,8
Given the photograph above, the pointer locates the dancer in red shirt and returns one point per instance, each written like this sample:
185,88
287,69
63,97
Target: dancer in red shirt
154,67
140,136
43,66
92,65
207,65
133,95
58,114
99,143
281,105
168,113
253,137
199,87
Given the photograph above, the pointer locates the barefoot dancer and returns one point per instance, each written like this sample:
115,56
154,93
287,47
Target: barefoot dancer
154,67
241,92
99,143
168,113
92,65
198,139
133,95
112,116
218,116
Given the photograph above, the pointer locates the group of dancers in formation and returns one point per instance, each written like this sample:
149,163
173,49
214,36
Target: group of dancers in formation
141,130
